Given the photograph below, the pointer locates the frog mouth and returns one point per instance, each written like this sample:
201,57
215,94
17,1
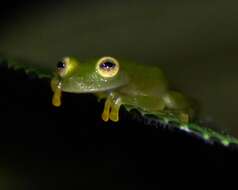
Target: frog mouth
56,87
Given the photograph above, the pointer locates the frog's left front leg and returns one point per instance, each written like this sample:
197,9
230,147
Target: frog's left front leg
115,100
112,107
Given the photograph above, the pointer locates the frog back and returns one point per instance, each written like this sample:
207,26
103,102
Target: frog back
145,80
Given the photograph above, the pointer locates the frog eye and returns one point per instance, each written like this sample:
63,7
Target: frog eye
63,66
107,66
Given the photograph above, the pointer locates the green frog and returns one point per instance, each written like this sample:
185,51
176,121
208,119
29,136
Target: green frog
120,82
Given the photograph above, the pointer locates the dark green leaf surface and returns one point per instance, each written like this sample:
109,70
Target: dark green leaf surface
28,68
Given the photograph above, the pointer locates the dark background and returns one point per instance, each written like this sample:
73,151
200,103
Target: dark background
195,42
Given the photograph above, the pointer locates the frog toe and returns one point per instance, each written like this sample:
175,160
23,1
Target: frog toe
56,100
114,116
107,108
105,116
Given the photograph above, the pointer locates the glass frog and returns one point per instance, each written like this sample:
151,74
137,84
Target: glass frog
144,87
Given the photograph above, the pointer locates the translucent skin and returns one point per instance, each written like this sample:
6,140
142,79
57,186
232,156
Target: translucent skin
141,86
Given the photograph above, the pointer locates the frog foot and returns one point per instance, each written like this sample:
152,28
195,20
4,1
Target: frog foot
111,109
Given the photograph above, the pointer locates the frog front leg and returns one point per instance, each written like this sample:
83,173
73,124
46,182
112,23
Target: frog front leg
111,108
115,100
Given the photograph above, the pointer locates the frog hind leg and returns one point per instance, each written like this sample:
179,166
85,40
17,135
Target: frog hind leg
178,104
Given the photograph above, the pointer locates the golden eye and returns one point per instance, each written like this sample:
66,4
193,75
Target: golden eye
63,66
107,67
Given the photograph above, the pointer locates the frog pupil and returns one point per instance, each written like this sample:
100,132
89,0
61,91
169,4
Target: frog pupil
60,65
107,65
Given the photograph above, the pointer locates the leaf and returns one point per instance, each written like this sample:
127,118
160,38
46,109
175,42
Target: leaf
169,120
29,69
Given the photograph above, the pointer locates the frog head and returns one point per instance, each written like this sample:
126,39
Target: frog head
93,76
